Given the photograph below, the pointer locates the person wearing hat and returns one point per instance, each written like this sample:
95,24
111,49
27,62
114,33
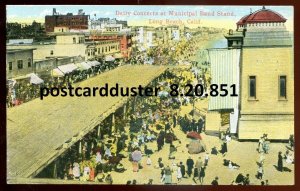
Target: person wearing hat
149,162
172,151
182,169
199,164
108,178
215,181
190,165
150,182
100,176
168,175
206,159
202,174
107,153
279,162
246,180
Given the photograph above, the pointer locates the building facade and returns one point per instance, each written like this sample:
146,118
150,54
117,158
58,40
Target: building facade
70,38
266,77
19,62
77,22
102,48
125,42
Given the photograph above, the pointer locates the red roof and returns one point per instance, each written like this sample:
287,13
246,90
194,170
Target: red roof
262,16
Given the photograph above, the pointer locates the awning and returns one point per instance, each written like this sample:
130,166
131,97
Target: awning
109,58
34,79
68,68
83,66
93,63
57,73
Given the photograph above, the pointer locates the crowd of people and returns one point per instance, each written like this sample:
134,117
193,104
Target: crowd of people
148,120
21,90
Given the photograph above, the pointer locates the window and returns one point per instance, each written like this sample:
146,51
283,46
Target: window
74,40
20,64
252,87
29,62
10,66
51,52
282,87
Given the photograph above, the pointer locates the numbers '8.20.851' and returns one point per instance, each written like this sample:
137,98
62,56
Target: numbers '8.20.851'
199,90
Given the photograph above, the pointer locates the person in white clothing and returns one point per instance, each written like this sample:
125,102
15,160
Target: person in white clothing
206,159
179,174
149,162
98,157
76,171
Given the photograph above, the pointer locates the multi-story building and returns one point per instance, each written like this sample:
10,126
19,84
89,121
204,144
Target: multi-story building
110,24
102,48
145,37
19,62
125,41
70,38
77,22
74,45
67,45
260,62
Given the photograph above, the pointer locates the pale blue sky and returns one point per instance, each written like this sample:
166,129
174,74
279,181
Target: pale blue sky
28,13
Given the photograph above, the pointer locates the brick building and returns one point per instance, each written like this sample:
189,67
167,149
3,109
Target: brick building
77,22
124,40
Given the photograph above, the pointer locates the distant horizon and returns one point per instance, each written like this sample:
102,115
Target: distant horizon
26,14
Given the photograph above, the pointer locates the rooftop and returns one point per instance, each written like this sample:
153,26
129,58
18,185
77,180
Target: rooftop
262,16
19,50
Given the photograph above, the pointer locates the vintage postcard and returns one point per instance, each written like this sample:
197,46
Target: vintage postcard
141,95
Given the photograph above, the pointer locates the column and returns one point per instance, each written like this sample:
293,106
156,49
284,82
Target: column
113,122
55,170
133,103
124,111
98,131
79,147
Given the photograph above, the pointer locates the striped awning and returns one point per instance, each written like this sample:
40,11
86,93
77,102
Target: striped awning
224,70
83,66
68,68
93,63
